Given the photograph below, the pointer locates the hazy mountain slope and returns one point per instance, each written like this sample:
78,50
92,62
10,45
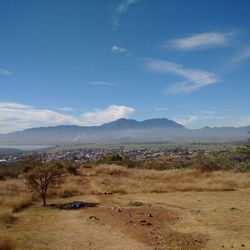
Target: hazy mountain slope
124,130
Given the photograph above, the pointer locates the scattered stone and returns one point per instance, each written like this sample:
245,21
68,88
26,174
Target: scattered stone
150,215
233,208
108,193
145,223
243,245
93,218
116,209
136,203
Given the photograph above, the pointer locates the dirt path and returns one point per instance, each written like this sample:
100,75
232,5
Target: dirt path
223,216
67,230
150,225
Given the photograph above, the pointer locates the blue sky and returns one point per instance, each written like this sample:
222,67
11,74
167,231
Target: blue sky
90,62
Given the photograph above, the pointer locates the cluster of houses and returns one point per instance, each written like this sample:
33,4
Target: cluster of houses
85,155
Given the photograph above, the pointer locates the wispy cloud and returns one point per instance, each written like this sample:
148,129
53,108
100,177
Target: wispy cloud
194,79
66,109
119,50
120,10
102,84
202,40
100,116
241,56
4,72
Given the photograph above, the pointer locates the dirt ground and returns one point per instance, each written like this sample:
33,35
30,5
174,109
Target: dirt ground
136,209
176,220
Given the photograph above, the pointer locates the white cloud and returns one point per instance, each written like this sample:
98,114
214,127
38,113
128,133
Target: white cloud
4,72
100,116
187,120
102,83
16,116
194,78
120,10
209,39
118,50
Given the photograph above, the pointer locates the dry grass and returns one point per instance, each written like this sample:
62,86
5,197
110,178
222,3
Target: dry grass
112,170
70,189
14,195
6,244
117,179
50,227
11,187
6,218
74,185
19,203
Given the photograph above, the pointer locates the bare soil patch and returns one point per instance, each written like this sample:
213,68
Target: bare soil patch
150,225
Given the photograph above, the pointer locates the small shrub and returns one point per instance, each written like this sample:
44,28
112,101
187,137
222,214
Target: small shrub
9,172
159,165
206,163
114,157
72,169
243,167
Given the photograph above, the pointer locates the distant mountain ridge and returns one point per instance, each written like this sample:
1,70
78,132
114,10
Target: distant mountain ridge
124,130
149,123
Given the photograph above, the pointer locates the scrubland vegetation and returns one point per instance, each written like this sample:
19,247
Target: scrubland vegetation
114,181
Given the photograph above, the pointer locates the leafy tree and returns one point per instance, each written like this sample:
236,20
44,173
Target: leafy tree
114,157
44,177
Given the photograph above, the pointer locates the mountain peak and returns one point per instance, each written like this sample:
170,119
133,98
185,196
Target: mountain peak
124,123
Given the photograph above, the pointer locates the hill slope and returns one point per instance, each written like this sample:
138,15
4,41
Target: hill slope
124,130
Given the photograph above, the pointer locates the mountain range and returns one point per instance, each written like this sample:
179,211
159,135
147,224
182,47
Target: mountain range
125,130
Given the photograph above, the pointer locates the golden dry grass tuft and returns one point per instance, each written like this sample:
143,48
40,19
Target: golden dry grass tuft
118,179
19,203
112,170
14,195
74,185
